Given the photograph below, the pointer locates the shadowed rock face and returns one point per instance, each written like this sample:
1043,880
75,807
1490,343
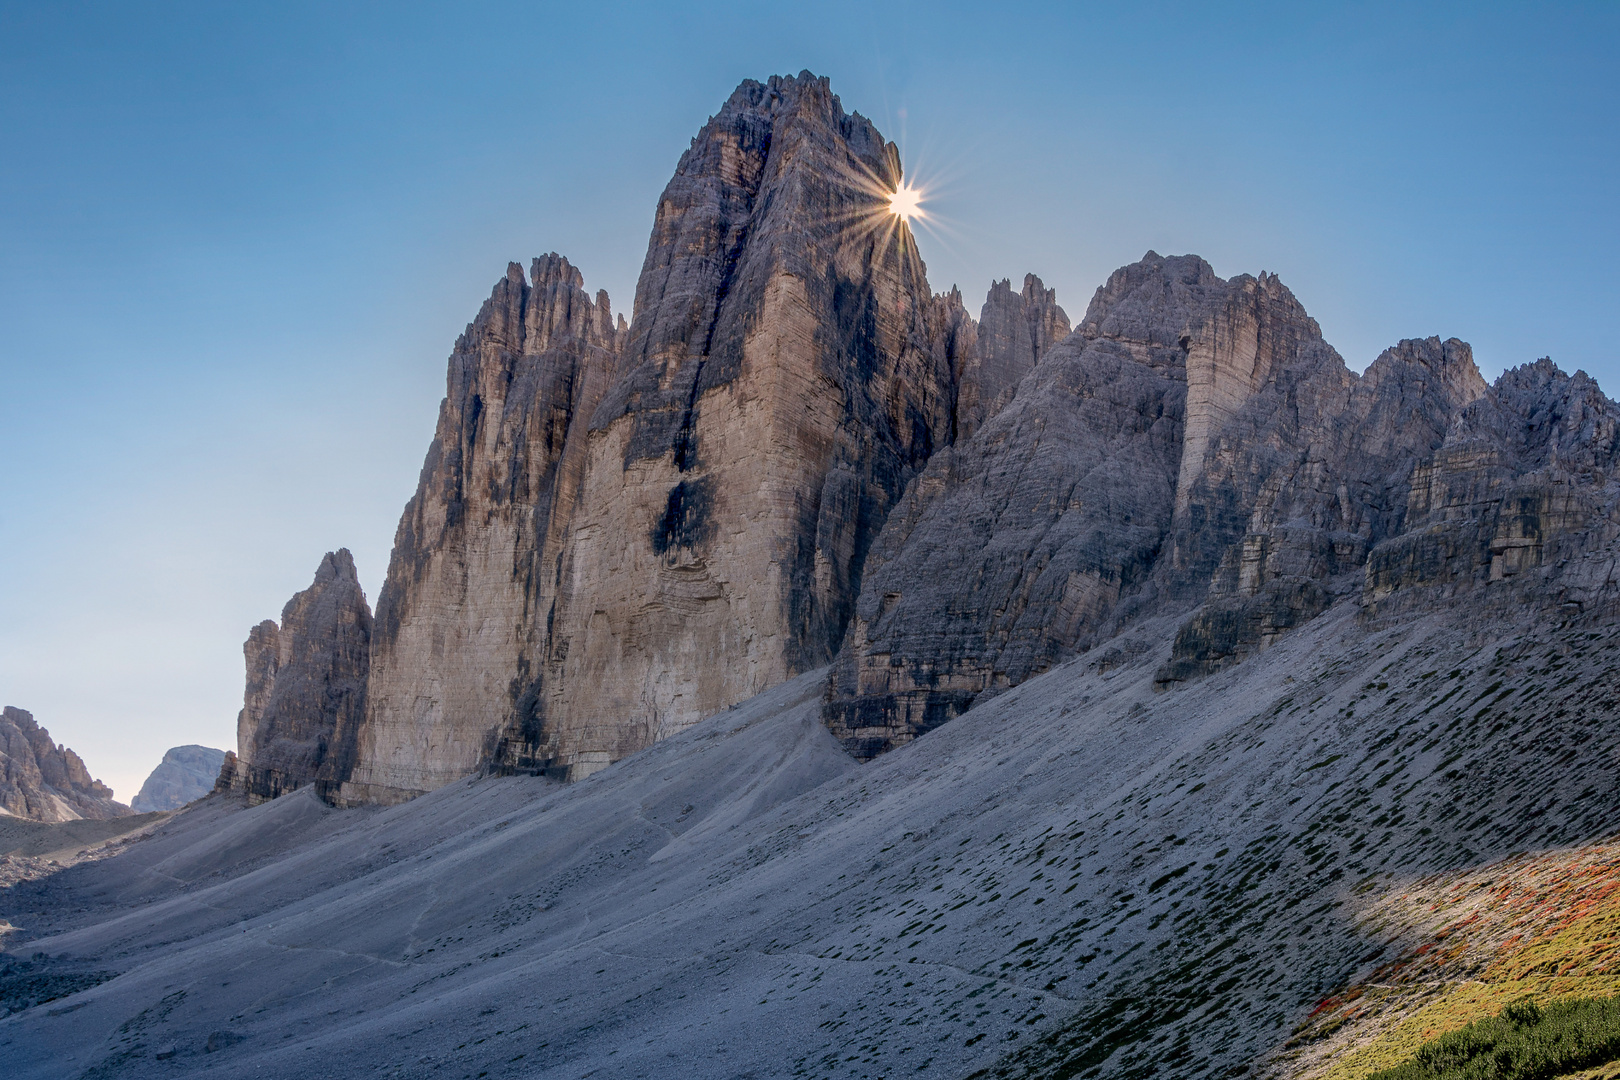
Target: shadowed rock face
785,375
42,781
1014,331
798,454
184,774
1523,489
1050,527
1194,440
621,530
306,686
1316,470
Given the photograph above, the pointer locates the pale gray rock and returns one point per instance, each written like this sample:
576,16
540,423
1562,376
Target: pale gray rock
1014,331
618,531
1246,486
184,774
43,781
306,686
1077,874
465,615
1314,471
1070,512
784,377
1524,491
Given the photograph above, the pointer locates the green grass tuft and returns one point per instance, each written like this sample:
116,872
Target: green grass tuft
1522,1042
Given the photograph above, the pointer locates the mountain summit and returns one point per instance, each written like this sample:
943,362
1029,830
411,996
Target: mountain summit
1147,696
796,454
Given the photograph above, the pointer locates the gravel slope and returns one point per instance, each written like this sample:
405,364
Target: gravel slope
1079,874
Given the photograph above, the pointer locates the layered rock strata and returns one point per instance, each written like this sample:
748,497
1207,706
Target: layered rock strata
184,774
1524,490
306,687
1319,468
43,781
1195,439
797,454
783,379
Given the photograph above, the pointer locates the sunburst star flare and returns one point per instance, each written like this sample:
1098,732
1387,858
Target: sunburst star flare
906,202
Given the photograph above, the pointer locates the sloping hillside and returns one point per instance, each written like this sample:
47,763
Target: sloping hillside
1544,927
1080,876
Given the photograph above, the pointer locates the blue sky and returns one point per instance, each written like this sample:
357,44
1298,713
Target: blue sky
238,241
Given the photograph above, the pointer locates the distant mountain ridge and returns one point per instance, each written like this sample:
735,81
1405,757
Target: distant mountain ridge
184,774
43,781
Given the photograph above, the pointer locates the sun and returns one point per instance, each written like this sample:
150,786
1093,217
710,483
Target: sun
906,202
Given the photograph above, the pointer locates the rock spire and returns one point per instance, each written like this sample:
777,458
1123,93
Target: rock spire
306,687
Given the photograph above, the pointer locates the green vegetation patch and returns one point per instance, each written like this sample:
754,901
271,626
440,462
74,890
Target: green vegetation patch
1522,1042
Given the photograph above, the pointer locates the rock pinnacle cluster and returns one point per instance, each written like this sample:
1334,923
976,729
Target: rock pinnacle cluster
797,455
806,677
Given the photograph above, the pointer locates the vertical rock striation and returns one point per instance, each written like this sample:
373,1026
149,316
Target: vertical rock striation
42,781
1014,331
306,686
1309,476
797,454
619,530
785,376
1523,490
466,611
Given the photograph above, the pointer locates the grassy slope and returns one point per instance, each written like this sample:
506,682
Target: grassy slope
1545,926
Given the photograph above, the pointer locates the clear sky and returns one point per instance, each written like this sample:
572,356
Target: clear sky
238,241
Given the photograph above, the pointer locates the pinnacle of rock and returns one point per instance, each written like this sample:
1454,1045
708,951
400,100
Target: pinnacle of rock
796,454
306,686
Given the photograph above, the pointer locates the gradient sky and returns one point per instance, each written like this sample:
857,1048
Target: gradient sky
237,242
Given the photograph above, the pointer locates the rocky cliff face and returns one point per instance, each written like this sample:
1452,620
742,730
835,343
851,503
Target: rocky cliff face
1059,519
784,378
798,454
184,774
1523,491
42,781
1013,332
621,530
306,687
465,613
1194,445
1320,469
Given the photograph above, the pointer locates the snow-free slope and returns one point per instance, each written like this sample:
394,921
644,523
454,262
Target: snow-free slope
1079,874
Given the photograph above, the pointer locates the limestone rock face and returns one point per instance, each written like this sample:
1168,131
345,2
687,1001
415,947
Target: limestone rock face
42,781
1524,489
798,454
464,616
306,685
621,529
1310,475
785,376
184,774
1014,331
1193,445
